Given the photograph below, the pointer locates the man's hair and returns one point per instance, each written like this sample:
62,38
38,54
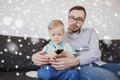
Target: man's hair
54,24
78,8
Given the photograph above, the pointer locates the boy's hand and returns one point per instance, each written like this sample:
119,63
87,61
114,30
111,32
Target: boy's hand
62,54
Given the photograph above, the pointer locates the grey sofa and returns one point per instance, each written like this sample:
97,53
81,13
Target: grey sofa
16,52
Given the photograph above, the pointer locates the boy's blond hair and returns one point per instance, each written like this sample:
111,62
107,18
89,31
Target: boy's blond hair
54,24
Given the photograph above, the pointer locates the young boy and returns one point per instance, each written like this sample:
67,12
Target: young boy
54,49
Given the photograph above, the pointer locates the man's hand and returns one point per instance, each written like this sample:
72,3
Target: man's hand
40,59
65,63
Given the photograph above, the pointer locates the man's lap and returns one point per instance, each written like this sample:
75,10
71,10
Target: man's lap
96,73
112,67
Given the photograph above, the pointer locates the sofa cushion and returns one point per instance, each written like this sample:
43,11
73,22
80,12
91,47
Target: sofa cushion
110,51
16,52
16,75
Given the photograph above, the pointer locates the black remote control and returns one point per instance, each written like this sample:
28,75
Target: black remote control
59,51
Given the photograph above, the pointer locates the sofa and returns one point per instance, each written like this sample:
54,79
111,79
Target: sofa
16,52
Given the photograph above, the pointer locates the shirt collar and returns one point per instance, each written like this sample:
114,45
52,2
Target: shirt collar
55,45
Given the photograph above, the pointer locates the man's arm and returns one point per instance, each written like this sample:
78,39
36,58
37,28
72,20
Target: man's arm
94,53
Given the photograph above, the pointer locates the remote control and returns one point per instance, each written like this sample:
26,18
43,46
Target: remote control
59,51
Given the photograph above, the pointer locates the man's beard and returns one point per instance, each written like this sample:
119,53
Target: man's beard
73,31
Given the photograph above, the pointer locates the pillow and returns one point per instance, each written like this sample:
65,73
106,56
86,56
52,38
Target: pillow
16,52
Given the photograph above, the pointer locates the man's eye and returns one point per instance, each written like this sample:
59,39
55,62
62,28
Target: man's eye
72,18
80,19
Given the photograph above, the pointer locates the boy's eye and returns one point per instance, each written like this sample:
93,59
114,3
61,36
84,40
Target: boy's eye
59,34
56,34
53,34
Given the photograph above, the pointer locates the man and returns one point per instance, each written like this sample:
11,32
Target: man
86,44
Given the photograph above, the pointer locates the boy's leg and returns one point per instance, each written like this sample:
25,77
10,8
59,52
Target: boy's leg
46,72
96,73
69,74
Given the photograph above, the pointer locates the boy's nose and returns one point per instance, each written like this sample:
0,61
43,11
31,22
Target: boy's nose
56,36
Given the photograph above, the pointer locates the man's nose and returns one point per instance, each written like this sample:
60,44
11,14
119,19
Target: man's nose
75,21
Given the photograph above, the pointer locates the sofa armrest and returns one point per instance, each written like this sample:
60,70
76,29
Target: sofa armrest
16,52
110,51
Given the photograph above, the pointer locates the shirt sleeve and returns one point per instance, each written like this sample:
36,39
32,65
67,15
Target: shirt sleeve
45,48
93,53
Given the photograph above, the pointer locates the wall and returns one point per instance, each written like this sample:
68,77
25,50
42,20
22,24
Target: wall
31,17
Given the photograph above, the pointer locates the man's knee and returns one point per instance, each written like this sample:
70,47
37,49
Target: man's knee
96,73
